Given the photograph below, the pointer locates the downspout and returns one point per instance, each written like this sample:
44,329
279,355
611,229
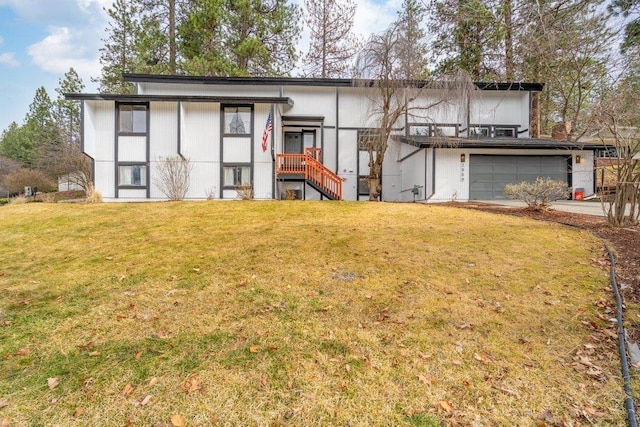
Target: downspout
179,131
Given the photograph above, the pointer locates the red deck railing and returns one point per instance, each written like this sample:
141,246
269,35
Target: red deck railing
309,165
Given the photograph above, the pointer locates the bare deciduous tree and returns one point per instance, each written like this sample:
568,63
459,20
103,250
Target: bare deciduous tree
616,121
173,176
393,96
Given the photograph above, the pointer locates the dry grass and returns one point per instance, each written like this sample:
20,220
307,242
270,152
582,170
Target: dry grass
282,313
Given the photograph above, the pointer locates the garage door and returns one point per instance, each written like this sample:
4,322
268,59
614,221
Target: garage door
490,174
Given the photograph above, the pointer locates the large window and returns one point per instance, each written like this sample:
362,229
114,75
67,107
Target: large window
132,118
237,120
370,138
132,175
235,175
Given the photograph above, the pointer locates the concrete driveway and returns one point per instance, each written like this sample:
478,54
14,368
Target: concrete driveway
573,206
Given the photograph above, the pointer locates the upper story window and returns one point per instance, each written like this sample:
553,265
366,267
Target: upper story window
369,139
237,120
493,131
432,129
132,118
504,132
479,132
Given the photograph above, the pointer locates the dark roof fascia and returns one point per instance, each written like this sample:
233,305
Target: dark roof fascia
305,81
516,86
303,118
526,143
179,98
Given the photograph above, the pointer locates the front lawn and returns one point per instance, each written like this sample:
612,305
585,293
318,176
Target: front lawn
301,313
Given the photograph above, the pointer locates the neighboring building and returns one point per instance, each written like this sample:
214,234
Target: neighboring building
465,150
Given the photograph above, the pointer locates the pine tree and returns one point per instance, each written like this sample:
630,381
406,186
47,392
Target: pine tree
201,39
333,44
260,36
414,51
119,54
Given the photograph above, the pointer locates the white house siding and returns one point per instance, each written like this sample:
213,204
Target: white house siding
200,143
583,172
133,194
262,161
348,163
312,101
163,139
132,149
442,108
413,173
501,108
451,176
355,111
99,137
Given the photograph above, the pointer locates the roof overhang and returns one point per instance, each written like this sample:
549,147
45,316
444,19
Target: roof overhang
522,143
229,100
301,81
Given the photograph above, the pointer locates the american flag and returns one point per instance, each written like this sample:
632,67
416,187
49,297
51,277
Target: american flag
267,131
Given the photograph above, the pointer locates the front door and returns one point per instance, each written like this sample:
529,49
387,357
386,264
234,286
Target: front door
297,142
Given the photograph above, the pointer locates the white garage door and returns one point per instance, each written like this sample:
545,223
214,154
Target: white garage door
490,174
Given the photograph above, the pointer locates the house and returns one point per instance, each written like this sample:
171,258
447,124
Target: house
467,148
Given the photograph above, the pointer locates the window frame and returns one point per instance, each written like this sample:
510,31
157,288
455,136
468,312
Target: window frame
363,181
143,175
134,107
248,127
225,186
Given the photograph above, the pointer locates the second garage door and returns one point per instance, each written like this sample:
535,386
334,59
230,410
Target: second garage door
490,174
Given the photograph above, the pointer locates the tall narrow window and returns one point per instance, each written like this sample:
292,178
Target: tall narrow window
132,118
237,120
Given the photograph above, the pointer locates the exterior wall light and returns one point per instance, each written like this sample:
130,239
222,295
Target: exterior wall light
462,158
578,159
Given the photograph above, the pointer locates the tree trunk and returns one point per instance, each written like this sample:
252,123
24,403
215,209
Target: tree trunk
172,36
508,41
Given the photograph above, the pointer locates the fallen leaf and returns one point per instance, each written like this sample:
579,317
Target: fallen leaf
145,401
591,411
23,351
78,412
153,381
138,355
6,422
53,383
482,357
126,391
446,406
4,403
178,420
94,353
254,349
193,383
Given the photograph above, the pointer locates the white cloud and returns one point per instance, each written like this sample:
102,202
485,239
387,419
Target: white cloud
8,58
64,48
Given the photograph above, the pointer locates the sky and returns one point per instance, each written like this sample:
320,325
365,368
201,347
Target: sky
41,39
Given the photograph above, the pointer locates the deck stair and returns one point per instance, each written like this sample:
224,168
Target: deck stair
317,175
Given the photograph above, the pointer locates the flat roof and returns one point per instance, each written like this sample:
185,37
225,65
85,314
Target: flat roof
305,81
529,143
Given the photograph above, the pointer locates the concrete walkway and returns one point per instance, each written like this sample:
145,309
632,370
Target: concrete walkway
573,206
